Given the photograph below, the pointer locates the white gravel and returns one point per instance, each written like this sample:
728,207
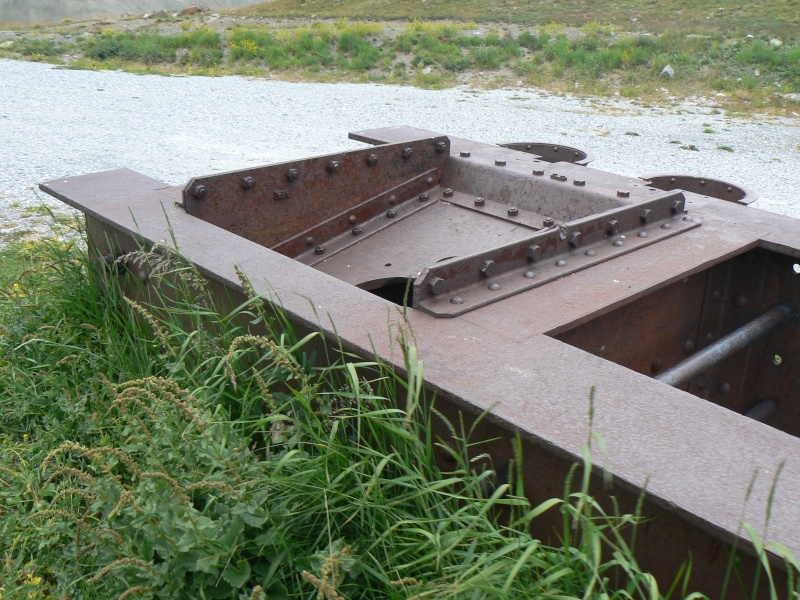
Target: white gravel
57,122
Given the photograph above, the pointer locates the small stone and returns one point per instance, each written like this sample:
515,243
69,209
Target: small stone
189,10
775,43
7,44
426,71
159,14
669,71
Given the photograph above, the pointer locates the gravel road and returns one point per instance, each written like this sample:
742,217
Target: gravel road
56,122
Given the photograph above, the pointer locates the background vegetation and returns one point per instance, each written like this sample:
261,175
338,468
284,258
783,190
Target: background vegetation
746,56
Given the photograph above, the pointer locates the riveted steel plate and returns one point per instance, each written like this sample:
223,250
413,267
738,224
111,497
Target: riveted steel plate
460,285
271,205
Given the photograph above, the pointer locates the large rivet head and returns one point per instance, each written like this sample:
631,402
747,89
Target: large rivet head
488,268
200,191
248,183
575,239
534,253
333,166
309,241
292,174
436,285
644,216
372,160
407,153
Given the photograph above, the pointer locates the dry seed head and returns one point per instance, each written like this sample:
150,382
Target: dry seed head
122,562
325,591
139,589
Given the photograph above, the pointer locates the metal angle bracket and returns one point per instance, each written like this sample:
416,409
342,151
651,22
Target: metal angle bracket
275,203
462,284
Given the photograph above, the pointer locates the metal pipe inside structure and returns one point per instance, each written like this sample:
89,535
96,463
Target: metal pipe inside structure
726,346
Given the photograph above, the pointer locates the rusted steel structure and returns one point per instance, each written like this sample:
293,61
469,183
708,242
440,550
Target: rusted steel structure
528,282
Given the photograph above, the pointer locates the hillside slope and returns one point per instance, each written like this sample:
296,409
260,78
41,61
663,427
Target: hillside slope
39,11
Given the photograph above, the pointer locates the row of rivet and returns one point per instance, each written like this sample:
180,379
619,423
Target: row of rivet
534,254
248,183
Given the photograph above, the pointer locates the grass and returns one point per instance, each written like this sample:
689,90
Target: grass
167,449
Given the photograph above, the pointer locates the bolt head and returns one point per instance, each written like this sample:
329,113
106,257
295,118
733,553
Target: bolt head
513,211
436,285
548,221
463,154
333,166
623,193
319,250
391,213
248,183
579,182
292,174
447,192
500,163
479,201
200,191
357,230
534,253
677,206
407,153
440,146
612,227
644,216
424,197
538,172
575,239
488,268
372,160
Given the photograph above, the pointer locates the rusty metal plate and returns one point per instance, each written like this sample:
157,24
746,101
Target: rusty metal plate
460,285
276,203
714,188
552,152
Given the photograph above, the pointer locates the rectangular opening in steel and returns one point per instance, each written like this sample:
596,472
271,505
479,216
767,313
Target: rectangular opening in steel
736,321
